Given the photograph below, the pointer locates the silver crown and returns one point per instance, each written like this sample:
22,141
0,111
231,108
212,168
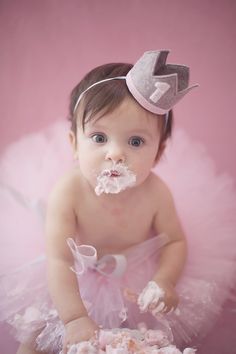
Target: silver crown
158,86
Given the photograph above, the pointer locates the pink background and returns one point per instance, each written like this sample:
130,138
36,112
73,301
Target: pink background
46,47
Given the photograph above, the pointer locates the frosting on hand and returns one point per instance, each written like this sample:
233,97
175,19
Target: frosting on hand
151,295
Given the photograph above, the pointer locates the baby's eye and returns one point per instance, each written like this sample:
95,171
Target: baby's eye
136,141
99,138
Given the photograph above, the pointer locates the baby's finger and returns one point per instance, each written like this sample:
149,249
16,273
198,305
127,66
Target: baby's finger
158,309
64,350
72,349
153,305
176,311
66,347
168,309
170,306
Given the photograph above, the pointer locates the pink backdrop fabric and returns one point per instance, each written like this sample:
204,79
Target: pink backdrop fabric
48,45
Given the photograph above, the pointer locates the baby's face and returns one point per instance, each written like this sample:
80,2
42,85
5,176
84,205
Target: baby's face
129,135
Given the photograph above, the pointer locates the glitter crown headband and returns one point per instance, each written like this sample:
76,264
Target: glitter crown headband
155,85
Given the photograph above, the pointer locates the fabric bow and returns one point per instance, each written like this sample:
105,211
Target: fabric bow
85,257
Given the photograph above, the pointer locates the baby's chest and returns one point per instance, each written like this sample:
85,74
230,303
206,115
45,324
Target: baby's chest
114,229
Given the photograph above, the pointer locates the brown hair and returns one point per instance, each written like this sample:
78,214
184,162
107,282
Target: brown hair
107,96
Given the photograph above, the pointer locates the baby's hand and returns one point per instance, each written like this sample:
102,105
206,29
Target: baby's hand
78,330
158,297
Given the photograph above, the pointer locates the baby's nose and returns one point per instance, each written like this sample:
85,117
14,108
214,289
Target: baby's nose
115,154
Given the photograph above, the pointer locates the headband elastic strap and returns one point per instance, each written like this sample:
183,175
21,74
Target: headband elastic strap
95,84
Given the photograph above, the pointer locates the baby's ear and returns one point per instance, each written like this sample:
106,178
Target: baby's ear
73,142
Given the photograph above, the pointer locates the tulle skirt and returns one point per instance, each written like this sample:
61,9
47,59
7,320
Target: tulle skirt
206,205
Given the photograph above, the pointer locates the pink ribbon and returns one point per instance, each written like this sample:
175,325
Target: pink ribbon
85,257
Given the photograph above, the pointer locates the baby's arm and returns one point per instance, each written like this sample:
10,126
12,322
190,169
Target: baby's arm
63,287
172,256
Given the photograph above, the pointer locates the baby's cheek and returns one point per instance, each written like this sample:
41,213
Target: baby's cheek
141,177
143,170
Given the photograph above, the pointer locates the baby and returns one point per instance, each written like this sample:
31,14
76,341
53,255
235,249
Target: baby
115,246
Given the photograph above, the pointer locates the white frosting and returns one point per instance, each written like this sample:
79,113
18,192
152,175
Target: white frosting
82,347
171,349
189,351
112,350
126,341
115,180
156,337
31,314
151,295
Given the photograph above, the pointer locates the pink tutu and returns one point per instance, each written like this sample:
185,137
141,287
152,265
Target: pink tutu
206,205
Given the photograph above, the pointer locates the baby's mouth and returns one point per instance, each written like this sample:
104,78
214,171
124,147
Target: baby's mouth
111,173
114,180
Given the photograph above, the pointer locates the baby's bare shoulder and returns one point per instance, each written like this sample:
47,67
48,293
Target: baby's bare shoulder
157,184
61,218
159,190
65,188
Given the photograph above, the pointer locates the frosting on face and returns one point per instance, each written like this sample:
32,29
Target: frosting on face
115,180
